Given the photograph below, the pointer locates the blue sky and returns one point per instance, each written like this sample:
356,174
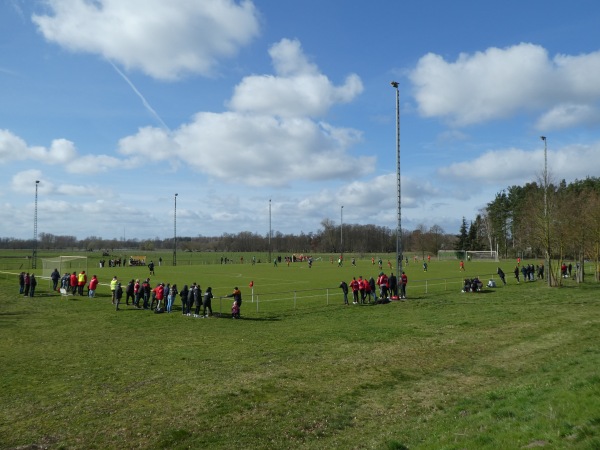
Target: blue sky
116,105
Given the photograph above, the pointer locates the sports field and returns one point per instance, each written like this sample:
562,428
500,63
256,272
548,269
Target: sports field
508,367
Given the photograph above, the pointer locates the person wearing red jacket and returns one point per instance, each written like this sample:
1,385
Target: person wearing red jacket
403,282
73,283
361,288
159,292
92,287
354,286
382,282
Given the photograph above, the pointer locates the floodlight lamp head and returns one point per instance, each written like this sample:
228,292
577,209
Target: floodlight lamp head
543,138
394,84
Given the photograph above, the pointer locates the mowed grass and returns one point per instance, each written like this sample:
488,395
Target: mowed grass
511,367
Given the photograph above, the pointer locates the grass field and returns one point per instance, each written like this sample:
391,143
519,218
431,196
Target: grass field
510,367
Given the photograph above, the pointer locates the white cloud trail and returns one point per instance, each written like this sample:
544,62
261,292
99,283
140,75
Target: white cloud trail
144,101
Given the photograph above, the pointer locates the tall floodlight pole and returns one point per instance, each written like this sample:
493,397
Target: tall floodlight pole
341,231
270,232
399,224
546,216
35,242
175,232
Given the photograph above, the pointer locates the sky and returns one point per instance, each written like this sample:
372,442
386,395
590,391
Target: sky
271,114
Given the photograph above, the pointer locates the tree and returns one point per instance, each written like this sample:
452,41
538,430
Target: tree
463,237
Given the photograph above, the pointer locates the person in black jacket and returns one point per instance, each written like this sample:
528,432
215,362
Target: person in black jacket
502,276
184,295
344,287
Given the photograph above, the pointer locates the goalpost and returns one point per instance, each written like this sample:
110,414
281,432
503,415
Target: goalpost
468,255
64,264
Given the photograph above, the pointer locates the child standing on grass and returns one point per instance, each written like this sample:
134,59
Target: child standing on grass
237,302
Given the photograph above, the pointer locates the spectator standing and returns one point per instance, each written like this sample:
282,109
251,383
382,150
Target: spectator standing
136,293
171,297
129,292
32,285
113,288
93,286
207,303
73,283
27,281
361,288
146,293
237,300
393,284
55,277
190,299
197,300
373,289
184,295
382,281
344,287
81,281
403,283
516,271
21,283
354,286
118,295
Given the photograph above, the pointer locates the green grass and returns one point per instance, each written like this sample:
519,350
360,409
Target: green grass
512,367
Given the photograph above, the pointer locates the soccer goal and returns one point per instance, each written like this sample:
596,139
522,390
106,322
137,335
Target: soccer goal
64,264
450,255
482,255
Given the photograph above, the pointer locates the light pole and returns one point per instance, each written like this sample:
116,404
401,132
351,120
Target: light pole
546,216
270,232
175,232
341,232
399,225
35,242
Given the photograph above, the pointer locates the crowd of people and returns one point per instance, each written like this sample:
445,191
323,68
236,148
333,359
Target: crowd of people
382,290
139,294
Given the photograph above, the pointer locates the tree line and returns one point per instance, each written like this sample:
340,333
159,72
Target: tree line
555,221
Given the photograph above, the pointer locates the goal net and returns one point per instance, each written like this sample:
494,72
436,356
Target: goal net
447,255
64,264
482,255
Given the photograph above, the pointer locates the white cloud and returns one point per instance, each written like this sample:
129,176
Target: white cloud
568,115
267,140
517,166
297,89
497,83
25,182
13,148
164,39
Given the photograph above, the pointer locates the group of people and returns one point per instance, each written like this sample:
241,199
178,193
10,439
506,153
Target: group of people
140,293
529,272
27,284
365,291
162,297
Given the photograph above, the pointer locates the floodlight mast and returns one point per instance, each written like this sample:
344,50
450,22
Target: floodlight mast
342,232
175,232
398,182
270,232
35,242
546,216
